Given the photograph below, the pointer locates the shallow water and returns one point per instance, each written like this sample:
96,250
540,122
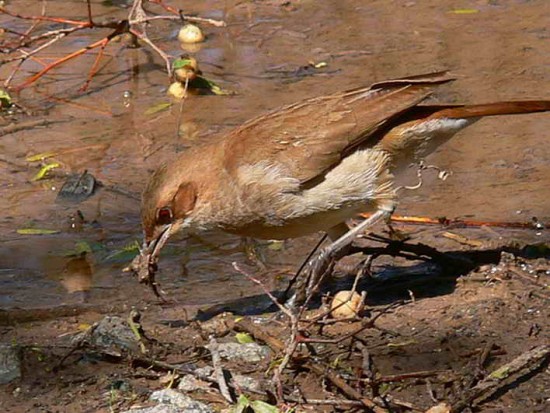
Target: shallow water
500,167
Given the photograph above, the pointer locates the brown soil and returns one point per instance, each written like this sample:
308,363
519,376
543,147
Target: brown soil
500,172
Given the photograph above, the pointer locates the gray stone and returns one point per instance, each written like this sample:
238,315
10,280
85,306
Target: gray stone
247,383
190,383
247,352
204,372
159,408
177,399
112,335
10,364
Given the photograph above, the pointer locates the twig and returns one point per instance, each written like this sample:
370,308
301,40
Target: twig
522,365
292,342
15,127
412,375
326,402
137,330
281,307
93,69
180,16
218,371
259,333
447,222
26,55
121,27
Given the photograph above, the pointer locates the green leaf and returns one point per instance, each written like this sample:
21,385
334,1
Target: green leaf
276,245
41,174
203,83
125,253
40,156
244,338
262,407
80,247
159,107
36,231
5,99
182,62
500,373
241,405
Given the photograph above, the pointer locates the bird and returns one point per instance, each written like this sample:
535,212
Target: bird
307,167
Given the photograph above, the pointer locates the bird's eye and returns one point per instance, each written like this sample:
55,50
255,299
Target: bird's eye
164,216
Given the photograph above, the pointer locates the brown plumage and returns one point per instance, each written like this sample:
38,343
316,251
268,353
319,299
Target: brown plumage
308,166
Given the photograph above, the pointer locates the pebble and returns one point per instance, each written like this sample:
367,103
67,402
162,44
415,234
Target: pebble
247,352
177,399
10,363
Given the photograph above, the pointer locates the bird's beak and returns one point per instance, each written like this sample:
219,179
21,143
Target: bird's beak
153,247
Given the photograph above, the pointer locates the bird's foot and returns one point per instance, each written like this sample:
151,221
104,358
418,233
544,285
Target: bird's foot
316,270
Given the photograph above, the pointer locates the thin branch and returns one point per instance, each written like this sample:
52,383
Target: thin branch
26,55
180,16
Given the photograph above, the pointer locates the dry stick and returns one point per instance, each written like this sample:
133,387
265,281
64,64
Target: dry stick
218,371
412,375
180,114
522,365
89,7
327,402
179,15
449,222
293,343
136,18
14,127
259,333
44,35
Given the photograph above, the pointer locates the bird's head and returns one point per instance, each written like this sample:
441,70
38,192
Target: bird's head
167,202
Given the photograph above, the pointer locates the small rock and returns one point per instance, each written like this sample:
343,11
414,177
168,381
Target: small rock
247,383
204,372
10,364
440,408
219,325
248,352
177,399
190,383
112,334
159,408
168,378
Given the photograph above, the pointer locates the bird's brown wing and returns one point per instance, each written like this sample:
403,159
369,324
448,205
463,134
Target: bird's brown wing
309,137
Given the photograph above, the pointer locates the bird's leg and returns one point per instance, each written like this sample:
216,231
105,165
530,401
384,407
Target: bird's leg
321,265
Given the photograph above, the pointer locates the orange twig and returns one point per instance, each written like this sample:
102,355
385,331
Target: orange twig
46,18
121,27
94,67
38,75
458,222
165,6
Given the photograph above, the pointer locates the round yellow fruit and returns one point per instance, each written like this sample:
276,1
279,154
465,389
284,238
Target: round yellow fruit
345,304
190,34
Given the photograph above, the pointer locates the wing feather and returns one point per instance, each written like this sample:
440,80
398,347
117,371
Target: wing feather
308,138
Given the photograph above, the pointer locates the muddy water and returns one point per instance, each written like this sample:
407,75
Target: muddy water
500,167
